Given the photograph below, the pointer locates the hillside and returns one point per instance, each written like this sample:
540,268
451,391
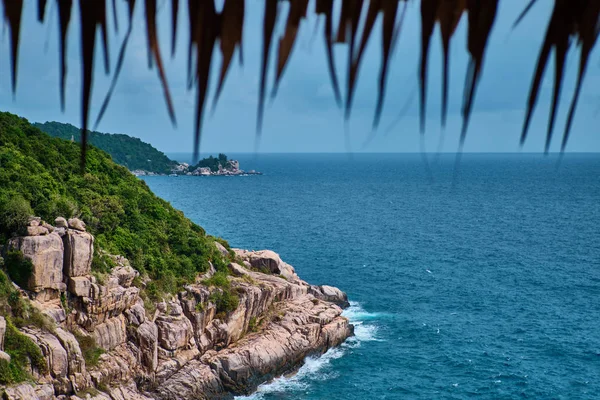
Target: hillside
125,150
182,316
42,174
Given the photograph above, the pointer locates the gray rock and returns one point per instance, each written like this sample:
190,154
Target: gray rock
46,255
148,342
20,392
330,294
36,230
125,275
222,249
77,224
48,226
4,356
79,250
111,333
175,332
60,222
2,332
80,286
34,221
237,270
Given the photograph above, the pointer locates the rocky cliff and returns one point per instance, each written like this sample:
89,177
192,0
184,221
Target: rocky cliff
105,342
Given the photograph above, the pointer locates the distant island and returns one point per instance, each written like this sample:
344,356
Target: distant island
141,158
210,166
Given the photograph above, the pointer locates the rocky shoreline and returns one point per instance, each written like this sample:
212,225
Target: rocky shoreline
232,168
184,349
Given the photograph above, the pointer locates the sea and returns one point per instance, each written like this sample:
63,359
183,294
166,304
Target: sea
471,277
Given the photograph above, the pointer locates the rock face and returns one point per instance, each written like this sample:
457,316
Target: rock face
46,255
187,348
79,250
2,332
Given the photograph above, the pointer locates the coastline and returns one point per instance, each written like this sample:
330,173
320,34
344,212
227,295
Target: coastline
186,348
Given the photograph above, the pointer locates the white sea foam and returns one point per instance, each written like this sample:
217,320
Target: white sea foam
314,369
319,368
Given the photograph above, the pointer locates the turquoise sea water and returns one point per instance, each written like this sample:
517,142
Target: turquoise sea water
485,285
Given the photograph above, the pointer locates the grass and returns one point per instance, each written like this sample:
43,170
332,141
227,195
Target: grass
23,352
90,351
219,279
225,301
253,325
18,267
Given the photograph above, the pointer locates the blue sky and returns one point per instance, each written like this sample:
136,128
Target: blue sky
304,117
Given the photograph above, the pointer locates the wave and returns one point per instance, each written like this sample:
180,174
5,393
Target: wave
320,368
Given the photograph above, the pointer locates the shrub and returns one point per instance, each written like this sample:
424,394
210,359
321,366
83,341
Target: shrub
15,213
252,325
225,301
90,351
219,279
22,351
101,261
18,267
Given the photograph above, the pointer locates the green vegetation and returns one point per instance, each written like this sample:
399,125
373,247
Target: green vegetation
253,325
90,351
226,301
219,279
14,211
42,174
22,351
212,162
125,150
19,268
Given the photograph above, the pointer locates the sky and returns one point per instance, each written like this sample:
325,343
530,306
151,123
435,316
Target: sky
304,117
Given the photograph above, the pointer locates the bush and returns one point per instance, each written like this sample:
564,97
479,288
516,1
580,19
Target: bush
22,351
15,212
90,351
219,279
225,301
252,325
18,267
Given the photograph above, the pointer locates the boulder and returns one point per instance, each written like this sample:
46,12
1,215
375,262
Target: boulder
77,224
79,250
80,286
268,261
36,230
222,249
265,259
60,222
148,343
2,332
54,353
20,392
4,356
46,255
174,332
111,333
48,226
330,294
125,275
76,363
34,221
237,270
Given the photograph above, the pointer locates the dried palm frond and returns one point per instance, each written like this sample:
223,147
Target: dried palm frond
571,20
